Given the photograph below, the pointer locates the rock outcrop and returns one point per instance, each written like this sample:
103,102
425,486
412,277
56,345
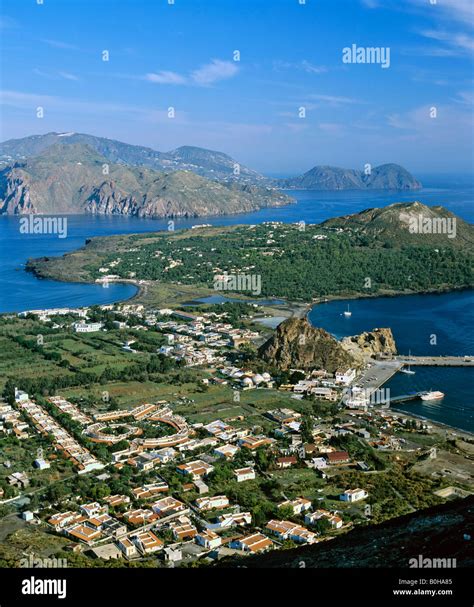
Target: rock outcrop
370,344
296,344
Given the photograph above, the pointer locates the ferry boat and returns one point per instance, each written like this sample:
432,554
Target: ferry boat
348,312
431,395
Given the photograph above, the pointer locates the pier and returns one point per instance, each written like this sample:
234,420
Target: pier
436,361
396,400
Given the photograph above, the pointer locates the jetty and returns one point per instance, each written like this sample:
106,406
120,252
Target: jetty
436,361
403,398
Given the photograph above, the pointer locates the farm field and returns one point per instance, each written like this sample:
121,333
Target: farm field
16,361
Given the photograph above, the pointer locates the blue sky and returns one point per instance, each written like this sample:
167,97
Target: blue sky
182,56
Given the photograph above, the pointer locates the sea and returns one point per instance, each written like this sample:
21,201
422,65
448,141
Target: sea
431,325
413,319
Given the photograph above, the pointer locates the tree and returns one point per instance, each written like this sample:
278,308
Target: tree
285,512
322,525
120,446
306,428
9,391
54,493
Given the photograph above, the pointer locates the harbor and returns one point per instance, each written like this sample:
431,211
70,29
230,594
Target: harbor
379,372
436,361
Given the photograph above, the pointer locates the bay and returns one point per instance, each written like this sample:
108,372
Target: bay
413,319
432,325
20,290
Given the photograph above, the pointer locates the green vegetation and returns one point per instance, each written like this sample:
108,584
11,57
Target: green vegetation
394,492
293,263
46,360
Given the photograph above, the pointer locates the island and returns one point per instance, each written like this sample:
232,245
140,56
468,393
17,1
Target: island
174,430
371,253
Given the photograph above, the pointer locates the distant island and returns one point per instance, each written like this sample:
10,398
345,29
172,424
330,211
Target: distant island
383,177
207,163
75,173
75,179
370,253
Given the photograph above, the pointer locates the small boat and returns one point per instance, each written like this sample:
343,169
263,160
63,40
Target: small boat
407,370
431,395
348,311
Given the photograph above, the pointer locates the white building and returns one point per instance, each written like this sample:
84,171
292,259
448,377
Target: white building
345,376
42,464
227,451
244,474
319,463
298,505
353,495
225,521
27,516
20,396
209,503
208,539
173,554
335,521
127,547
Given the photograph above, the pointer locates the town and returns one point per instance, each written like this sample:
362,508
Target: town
236,460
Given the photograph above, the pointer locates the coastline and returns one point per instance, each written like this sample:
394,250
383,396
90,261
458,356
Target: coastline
440,426
288,309
294,308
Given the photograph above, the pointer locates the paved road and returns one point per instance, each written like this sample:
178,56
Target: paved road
379,373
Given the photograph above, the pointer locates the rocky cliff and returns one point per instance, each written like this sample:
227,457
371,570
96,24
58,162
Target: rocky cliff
296,344
369,344
75,179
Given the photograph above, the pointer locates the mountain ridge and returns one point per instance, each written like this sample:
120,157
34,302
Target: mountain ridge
207,163
75,178
211,164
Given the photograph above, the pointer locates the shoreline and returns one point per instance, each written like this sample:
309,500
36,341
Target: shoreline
293,307
440,426
289,309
